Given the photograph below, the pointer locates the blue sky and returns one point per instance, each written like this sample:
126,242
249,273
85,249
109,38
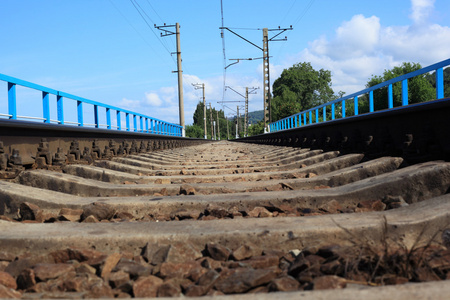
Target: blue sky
104,51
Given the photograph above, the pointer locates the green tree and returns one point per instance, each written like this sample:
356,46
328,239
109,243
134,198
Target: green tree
419,88
432,79
256,129
199,121
194,131
299,88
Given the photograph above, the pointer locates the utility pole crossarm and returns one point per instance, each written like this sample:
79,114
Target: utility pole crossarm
241,37
229,87
281,31
239,59
166,32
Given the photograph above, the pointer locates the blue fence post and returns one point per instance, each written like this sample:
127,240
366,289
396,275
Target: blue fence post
118,121
151,125
317,115
343,109
141,123
405,92
324,113
371,101
135,123
12,105
60,109
146,125
310,117
46,107
108,118
96,116
127,120
390,97
80,113
440,83
332,111
355,102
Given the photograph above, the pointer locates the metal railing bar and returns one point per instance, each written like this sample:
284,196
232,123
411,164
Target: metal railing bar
32,118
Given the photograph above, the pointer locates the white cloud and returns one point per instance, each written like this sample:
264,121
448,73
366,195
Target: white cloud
152,99
356,37
421,9
362,47
129,104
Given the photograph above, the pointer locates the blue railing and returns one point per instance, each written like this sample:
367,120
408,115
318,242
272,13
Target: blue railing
306,117
146,124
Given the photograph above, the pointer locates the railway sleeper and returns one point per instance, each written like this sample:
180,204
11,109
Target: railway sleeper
87,187
292,162
409,226
288,158
413,184
118,173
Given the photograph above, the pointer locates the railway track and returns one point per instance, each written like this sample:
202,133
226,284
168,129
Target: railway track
223,218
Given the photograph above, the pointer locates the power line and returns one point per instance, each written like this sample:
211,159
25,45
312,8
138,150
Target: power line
243,28
134,2
155,11
134,28
289,10
300,17
304,12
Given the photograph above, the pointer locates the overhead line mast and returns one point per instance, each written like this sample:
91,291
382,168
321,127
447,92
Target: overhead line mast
167,32
198,86
247,92
266,67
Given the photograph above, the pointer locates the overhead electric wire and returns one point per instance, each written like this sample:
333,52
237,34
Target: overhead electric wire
134,2
304,12
134,28
155,11
289,10
243,28
162,21
299,18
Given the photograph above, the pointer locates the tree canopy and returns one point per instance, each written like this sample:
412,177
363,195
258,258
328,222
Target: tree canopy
298,88
419,87
197,129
